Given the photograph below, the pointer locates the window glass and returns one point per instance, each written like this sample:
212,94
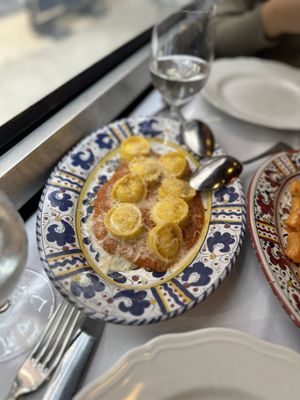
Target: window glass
44,43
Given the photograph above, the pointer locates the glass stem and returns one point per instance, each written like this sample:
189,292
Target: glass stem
176,112
4,307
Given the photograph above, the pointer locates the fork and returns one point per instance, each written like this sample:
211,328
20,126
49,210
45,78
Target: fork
48,352
279,146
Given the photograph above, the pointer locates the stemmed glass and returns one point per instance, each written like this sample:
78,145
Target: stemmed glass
26,297
182,50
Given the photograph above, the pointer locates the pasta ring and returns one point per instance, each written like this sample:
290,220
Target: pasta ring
147,168
174,164
134,146
170,209
124,221
173,187
165,241
129,189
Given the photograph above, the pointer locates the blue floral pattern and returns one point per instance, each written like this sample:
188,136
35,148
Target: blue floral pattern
89,288
218,238
61,200
117,277
197,275
147,129
227,193
88,243
158,274
102,179
104,141
62,233
136,301
83,159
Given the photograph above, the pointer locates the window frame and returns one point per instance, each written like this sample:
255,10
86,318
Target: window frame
25,168
16,129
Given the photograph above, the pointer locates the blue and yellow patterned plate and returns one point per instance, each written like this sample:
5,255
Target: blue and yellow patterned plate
138,296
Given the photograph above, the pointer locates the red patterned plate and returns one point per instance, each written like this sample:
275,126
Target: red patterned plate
268,206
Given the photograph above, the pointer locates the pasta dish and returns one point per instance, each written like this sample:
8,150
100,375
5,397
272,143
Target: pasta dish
146,213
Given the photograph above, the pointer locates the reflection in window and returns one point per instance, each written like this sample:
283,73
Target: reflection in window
44,43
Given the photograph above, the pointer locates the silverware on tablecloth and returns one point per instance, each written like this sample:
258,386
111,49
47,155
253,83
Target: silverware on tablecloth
278,147
48,352
215,172
70,372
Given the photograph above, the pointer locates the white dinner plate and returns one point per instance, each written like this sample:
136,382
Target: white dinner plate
259,91
208,364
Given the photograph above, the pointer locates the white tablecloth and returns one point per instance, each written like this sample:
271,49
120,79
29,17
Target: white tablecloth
244,301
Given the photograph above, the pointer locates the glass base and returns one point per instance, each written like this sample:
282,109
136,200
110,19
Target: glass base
169,113
31,305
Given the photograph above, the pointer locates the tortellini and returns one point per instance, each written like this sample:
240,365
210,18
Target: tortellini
147,168
174,164
165,241
165,202
173,187
129,189
170,209
124,221
134,146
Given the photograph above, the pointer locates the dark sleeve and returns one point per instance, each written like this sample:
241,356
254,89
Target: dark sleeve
239,29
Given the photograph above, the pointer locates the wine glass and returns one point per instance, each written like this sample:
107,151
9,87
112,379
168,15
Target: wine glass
26,297
182,49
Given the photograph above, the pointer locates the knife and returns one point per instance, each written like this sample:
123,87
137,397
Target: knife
67,377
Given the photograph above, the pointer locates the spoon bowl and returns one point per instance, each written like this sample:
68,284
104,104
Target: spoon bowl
198,138
215,172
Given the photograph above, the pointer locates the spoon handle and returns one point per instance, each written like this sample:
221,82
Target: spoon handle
274,149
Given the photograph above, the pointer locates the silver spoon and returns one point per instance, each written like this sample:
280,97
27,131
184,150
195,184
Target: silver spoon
198,138
195,134
217,171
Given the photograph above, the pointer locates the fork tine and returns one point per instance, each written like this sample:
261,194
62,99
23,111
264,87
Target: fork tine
62,339
66,341
47,329
50,331
59,332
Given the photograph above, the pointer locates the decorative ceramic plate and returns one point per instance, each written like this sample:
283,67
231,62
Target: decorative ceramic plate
268,206
260,91
210,364
138,296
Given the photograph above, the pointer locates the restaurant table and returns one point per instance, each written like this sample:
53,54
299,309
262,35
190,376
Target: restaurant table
244,301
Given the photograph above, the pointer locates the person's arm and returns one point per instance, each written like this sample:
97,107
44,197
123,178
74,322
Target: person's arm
239,29
280,17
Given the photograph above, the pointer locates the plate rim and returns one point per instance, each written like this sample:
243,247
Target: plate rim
295,317
190,339
206,92
116,319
